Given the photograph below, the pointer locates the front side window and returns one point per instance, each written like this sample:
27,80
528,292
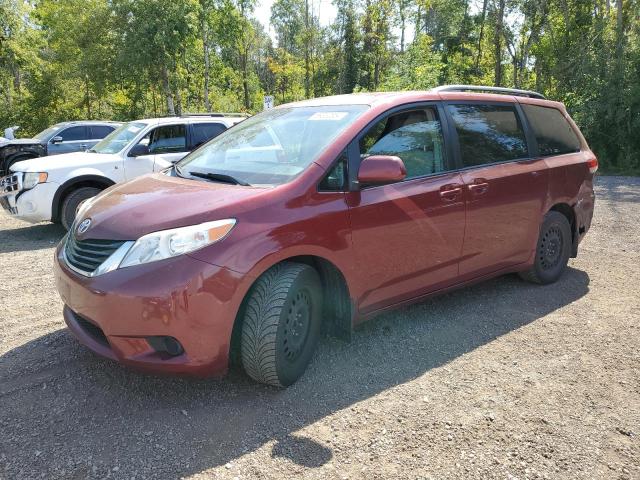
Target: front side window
168,139
553,132
119,138
203,132
415,136
488,133
336,178
74,133
274,146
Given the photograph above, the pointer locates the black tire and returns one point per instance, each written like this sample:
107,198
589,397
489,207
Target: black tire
281,324
71,203
552,251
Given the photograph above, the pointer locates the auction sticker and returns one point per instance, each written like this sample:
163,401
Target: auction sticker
331,116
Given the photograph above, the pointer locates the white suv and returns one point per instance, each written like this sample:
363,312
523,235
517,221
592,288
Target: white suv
52,188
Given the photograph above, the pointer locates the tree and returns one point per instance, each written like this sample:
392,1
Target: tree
156,42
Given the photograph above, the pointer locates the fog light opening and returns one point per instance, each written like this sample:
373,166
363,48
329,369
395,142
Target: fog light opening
168,345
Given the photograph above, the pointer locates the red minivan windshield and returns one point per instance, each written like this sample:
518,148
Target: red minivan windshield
272,147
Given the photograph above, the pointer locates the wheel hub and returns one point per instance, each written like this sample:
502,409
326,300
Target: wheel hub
297,325
550,252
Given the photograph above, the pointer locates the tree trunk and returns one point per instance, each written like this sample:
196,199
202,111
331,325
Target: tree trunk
245,80
178,96
620,38
166,90
205,47
87,97
8,96
307,41
498,43
484,15
403,23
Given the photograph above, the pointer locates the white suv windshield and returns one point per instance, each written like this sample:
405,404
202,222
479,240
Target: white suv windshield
272,147
119,138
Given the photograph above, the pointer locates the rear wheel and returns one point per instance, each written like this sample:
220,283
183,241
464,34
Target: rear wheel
281,324
552,251
72,202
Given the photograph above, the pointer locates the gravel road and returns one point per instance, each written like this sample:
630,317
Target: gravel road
501,380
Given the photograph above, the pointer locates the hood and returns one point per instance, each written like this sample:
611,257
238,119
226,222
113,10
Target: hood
157,202
19,141
63,161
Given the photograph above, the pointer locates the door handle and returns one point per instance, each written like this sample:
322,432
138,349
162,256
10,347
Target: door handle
451,192
480,186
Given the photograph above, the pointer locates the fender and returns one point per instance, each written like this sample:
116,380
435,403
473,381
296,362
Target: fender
342,310
99,180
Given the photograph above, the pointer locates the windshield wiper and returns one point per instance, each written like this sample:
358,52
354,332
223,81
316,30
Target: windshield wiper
91,150
219,177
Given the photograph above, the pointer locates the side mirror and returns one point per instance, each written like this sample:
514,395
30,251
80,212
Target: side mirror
139,150
56,140
381,169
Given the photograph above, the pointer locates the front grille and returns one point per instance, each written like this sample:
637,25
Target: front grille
87,255
92,330
10,184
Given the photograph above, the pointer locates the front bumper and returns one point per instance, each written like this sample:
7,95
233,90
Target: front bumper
187,299
33,205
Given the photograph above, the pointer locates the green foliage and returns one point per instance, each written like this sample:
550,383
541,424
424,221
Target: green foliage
126,59
419,68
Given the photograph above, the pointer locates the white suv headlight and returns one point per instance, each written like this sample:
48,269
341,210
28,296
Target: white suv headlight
178,241
31,179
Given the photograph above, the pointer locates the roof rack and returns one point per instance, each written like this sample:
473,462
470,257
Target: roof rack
482,88
215,114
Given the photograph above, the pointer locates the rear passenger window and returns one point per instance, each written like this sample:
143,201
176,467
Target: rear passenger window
553,133
415,136
488,133
74,133
203,132
100,131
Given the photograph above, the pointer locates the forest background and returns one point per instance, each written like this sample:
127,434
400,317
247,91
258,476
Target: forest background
127,59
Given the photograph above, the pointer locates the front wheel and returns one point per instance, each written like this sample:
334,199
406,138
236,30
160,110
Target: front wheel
552,251
281,324
72,202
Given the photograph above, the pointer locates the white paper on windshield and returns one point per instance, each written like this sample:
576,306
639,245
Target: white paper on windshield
133,129
330,116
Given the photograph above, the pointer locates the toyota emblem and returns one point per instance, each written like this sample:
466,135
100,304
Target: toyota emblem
84,226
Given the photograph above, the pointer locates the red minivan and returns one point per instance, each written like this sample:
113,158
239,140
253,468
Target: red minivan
317,215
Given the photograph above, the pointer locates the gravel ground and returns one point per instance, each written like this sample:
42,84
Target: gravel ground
501,380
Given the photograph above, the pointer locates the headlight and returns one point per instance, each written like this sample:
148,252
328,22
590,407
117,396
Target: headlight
178,241
31,179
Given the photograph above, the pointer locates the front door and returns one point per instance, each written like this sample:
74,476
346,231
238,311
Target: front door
71,139
505,188
407,236
167,144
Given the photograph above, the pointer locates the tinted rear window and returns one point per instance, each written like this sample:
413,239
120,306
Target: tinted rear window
488,133
100,131
553,132
203,132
